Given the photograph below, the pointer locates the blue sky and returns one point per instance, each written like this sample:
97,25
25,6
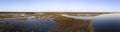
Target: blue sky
60,5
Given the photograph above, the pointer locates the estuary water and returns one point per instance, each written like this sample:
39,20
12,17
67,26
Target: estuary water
102,23
31,24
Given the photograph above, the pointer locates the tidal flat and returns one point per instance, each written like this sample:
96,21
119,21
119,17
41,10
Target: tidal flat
45,22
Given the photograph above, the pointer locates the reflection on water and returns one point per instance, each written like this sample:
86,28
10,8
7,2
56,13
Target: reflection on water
54,22
44,24
40,24
107,23
102,23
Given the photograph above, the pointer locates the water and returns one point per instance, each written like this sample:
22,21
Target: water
40,24
102,23
46,23
105,23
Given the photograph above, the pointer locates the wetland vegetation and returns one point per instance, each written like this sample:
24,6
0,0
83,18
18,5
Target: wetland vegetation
44,22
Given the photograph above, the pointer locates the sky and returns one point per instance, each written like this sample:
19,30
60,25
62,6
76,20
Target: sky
60,5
